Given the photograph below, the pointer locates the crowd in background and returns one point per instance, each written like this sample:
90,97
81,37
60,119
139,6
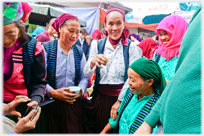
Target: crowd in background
138,85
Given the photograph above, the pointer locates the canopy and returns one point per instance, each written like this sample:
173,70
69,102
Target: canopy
41,14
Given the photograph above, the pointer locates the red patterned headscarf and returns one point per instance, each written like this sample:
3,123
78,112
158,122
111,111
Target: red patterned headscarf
60,20
125,32
96,33
148,46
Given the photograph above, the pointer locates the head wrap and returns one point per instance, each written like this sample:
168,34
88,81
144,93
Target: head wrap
125,32
148,46
151,70
176,27
136,37
37,31
26,10
12,12
60,20
96,33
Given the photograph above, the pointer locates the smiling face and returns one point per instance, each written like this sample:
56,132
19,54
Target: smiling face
114,24
69,32
164,37
10,35
136,83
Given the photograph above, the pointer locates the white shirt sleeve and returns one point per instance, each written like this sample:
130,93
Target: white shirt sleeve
93,53
134,53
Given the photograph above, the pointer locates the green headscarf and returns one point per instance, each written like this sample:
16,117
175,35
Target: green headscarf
12,12
150,70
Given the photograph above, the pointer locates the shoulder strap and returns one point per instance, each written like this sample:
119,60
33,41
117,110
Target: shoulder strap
28,56
126,58
51,49
77,56
157,57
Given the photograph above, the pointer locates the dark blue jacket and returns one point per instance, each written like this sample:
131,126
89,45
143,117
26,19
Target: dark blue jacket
85,47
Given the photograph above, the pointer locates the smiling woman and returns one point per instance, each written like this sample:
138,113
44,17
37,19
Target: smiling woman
146,84
23,61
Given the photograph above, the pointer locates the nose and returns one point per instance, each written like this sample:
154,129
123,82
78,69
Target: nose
129,82
6,40
162,37
114,27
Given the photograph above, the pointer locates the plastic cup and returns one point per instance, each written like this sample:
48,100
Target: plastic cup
74,89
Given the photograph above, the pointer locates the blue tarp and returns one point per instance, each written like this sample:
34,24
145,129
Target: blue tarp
90,15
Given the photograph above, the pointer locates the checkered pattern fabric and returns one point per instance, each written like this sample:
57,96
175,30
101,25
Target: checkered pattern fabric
12,12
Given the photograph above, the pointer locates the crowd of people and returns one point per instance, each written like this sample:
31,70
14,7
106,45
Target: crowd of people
140,86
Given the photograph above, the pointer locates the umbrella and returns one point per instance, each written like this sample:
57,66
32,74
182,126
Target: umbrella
41,14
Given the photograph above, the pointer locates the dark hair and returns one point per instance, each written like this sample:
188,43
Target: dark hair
116,11
22,31
157,37
83,30
144,78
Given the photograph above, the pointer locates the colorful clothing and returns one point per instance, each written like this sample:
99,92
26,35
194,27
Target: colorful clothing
37,31
167,66
26,10
180,105
129,110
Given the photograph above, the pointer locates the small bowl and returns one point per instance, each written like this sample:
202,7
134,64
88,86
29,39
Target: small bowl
74,89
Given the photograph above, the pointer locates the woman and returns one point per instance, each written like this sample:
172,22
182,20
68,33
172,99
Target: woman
112,53
146,83
171,31
148,46
23,61
65,64
180,106
47,35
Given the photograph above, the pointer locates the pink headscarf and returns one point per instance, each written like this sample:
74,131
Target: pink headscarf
176,27
26,9
148,46
125,32
60,20
96,33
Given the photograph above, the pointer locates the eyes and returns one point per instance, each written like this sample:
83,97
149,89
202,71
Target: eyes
72,31
111,23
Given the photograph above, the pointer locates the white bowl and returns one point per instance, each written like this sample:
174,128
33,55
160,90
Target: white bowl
75,89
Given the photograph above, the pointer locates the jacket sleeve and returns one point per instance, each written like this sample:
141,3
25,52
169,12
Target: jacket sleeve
38,74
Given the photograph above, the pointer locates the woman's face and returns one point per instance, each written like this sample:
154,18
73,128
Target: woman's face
69,33
10,35
114,24
164,37
136,83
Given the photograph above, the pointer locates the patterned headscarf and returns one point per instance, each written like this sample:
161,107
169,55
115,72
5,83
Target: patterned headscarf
60,20
12,12
26,10
148,46
175,26
96,33
150,70
125,32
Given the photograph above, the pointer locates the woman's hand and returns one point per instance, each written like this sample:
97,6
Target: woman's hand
9,109
79,95
25,123
114,109
63,94
99,59
33,103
